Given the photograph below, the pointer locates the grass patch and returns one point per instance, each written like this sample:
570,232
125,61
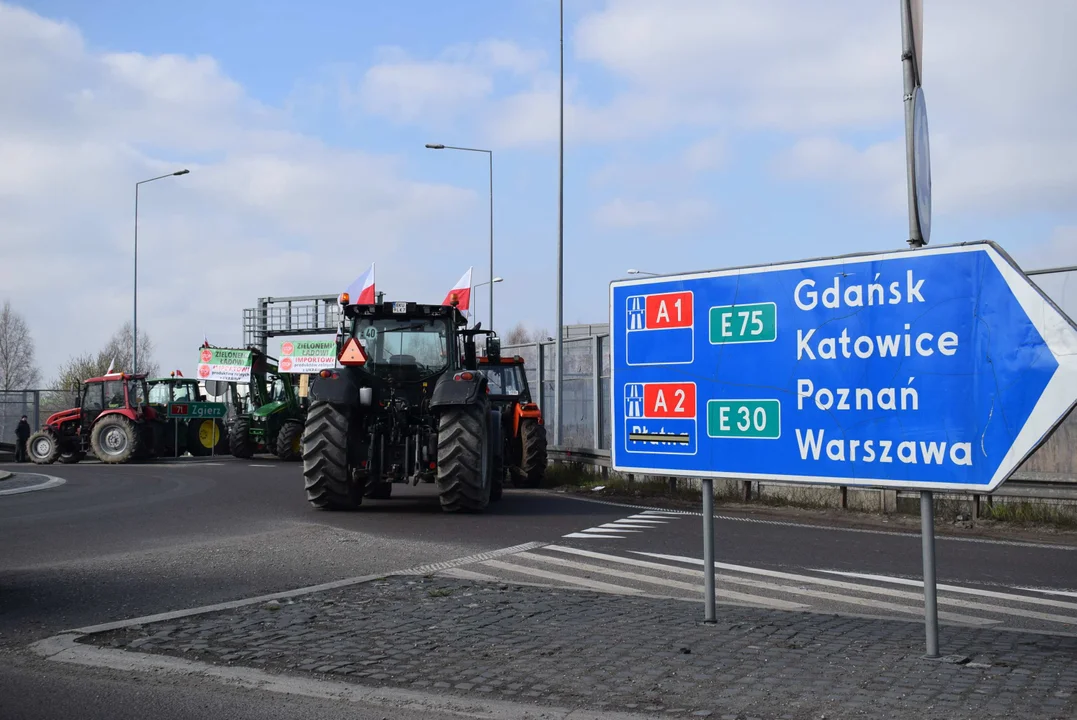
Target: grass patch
439,592
1026,513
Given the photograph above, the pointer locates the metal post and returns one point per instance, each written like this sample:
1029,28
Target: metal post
708,551
559,376
596,394
540,365
908,60
491,240
931,611
134,319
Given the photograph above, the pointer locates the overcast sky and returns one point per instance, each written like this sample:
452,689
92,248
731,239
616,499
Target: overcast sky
699,134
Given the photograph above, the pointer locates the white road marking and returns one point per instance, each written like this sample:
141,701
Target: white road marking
689,587
586,535
462,574
627,528
1064,593
966,590
648,519
1020,612
568,579
261,466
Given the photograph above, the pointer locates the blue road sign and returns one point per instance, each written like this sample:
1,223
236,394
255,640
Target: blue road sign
932,369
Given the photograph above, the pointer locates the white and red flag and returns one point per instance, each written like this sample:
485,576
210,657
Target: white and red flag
361,291
462,291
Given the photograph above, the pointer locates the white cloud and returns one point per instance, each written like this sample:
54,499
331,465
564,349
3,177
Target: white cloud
411,90
673,216
264,211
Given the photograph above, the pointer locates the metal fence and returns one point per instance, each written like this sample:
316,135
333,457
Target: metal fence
587,389
36,405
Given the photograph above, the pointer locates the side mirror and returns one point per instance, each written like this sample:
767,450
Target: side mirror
493,348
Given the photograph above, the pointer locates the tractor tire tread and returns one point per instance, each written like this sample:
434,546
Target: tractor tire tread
239,439
535,458
460,472
325,460
135,446
290,431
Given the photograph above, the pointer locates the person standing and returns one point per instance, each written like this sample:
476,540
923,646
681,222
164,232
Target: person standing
22,434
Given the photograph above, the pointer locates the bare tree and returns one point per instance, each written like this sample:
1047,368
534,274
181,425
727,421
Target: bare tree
116,354
518,335
18,368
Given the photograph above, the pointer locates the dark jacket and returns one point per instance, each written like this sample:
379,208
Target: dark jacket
22,430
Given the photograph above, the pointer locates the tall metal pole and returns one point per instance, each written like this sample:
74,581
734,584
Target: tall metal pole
134,314
558,394
911,76
134,319
908,63
491,241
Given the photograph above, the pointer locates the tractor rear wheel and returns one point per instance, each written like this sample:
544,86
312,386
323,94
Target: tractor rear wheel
326,475
290,441
464,459
43,447
533,462
115,439
239,438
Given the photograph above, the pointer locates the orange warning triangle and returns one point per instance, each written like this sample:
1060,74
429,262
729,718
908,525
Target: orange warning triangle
352,353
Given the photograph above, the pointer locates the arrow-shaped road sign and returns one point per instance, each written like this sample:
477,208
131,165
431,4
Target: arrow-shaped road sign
931,369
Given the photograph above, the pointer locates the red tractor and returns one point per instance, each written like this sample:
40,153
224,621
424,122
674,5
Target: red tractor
524,432
112,421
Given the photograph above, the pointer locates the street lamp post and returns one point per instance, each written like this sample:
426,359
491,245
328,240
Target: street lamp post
559,377
490,283
490,154
134,319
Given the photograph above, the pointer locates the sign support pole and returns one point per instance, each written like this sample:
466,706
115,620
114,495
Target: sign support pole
910,73
931,610
708,550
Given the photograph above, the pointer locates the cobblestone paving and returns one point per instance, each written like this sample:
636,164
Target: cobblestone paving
599,651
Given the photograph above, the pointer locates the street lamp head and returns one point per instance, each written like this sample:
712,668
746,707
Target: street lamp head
633,271
181,172
499,279
434,146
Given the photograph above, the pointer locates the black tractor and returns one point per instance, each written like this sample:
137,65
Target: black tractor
407,405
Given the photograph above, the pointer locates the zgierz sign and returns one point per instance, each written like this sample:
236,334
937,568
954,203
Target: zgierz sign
307,356
938,369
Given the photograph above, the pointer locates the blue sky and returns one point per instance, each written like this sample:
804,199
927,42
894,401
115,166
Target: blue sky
699,134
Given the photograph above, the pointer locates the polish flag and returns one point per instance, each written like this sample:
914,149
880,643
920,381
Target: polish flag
361,291
462,290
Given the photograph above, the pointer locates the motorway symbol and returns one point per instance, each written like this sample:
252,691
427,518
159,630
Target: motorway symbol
935,369
660,418
661,329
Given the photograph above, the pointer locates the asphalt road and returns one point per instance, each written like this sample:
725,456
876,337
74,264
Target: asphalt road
114,543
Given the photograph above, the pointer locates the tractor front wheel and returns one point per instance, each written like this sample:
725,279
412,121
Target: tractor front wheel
205,437
326,474
464,459
239,439
43,447
290,441
533,460
114,439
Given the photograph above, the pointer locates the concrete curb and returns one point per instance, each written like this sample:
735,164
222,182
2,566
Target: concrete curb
4,475
66,648
50,482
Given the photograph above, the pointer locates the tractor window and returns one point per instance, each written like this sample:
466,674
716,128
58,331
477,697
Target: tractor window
159,394
136,391
91,399
278,393
503,379
114,394
413,341
183,393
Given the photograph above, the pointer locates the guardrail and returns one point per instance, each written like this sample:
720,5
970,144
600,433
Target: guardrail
1026,486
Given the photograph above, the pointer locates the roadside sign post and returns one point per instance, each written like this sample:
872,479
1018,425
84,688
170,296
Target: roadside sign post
710,614
941,369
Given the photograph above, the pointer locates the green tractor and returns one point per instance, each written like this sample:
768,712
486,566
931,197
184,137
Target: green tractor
271,417
192,423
